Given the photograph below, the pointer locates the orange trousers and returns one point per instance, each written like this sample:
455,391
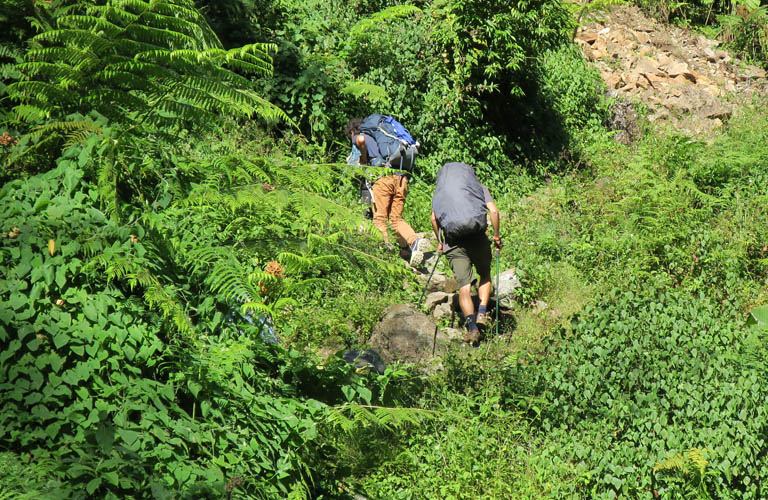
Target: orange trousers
388,202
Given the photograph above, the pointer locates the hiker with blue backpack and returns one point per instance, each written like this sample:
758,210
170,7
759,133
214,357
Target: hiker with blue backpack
384,142
459,207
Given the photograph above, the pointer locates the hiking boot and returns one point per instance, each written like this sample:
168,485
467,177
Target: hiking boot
417,251
482,321
472,337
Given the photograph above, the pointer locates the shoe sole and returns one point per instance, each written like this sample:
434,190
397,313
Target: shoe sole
417,256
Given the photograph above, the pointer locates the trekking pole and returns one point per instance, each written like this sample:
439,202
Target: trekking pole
429,279
498,252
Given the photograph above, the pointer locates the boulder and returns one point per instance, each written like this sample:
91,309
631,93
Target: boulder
508,284
442,311
406,334
442,283
436,298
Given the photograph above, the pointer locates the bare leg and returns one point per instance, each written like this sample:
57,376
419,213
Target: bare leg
484,290
465,301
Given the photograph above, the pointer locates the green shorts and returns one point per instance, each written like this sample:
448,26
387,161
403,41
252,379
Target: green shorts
475,250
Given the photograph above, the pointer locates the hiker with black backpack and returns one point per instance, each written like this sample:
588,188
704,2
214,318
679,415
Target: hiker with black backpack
459,207
383,142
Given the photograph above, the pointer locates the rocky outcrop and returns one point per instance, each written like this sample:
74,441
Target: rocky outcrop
407,334
682,77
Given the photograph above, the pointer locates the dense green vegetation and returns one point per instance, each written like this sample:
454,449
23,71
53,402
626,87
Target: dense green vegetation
173,191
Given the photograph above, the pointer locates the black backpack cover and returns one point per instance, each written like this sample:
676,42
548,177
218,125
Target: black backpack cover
459,202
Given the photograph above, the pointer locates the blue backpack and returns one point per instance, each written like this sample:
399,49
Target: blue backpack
396,146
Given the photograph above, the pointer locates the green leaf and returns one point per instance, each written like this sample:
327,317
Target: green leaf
129,437
90,311
112,477
349,392
182,473
47,271
758,316
365,393
17,301
60,340
93,485
61,276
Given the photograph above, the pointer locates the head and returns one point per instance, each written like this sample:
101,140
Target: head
353,127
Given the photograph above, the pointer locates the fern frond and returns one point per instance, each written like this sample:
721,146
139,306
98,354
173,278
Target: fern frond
395,12
70,55
259,308
114,14
350,417
159,36
65,76
374,93
38,91
30,114
80,38
92,23
67,128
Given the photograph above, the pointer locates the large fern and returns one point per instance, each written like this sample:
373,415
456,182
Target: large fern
136,61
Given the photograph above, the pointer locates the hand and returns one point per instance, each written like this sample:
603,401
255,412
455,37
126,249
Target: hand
497,242
439,248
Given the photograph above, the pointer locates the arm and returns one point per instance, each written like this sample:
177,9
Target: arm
360,142
436,229
494,213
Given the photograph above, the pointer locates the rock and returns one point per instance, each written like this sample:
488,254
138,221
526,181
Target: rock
436,298
677,68
647,65
665,60
722,55
613,81
642,37
442,283
710,55
754,72
653,79
442,311
588,37
406,334
716,110
624,120
365,359
430,258
713,90
454,334
540,306
508,284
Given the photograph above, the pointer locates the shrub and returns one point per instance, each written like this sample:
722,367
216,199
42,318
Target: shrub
649,372
96,381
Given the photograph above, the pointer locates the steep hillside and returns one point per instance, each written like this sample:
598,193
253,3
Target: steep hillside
683,78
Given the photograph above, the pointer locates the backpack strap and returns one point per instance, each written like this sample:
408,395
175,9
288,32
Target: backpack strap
394,137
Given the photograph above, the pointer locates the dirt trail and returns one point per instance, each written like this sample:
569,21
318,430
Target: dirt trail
683,78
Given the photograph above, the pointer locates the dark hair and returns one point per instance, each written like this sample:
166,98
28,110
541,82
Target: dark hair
353,126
